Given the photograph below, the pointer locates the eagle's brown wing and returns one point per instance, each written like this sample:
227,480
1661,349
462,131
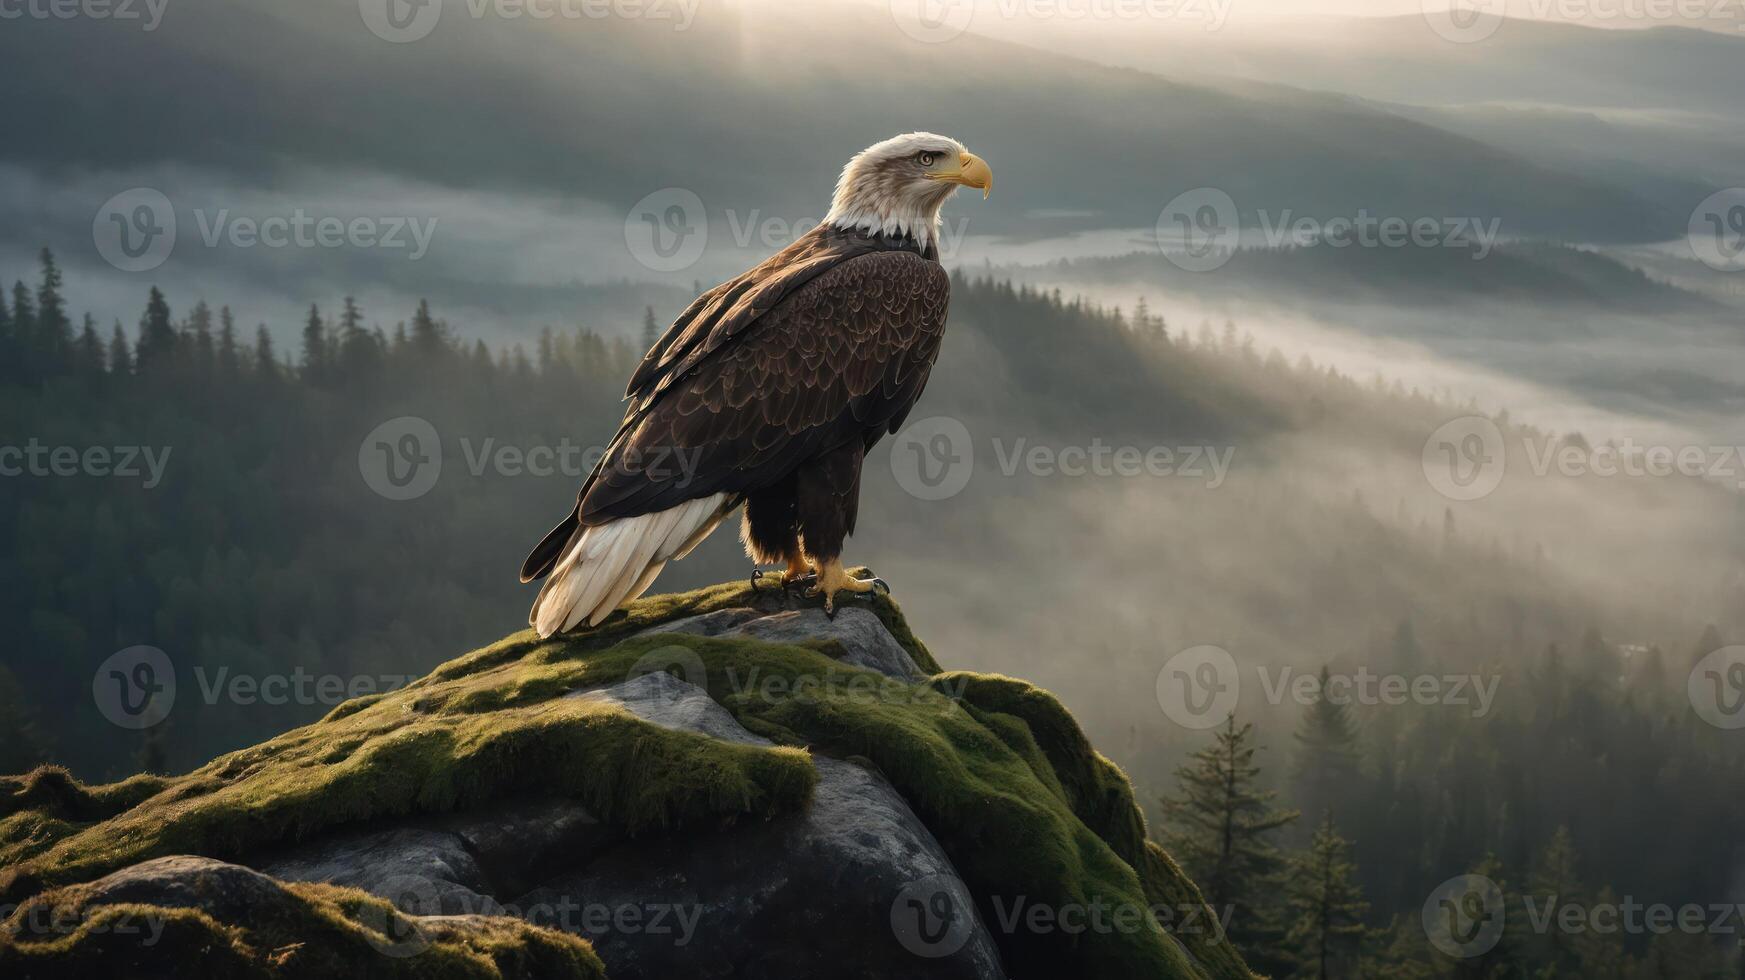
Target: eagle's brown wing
841,357
716,317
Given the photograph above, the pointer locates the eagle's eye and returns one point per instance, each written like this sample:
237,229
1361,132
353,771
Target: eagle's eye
926,158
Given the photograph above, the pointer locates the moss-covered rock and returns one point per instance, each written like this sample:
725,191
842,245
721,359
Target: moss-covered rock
183,916
1028,813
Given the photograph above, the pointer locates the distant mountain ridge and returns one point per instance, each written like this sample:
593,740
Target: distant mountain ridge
521,104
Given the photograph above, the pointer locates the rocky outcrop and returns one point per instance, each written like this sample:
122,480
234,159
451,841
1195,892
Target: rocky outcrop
722,784
185,916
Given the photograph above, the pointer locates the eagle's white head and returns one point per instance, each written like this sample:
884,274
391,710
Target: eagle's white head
897,187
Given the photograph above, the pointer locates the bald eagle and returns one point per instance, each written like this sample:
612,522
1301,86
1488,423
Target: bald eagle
772,387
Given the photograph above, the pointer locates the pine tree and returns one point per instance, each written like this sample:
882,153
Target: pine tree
546,352
157,336
650,329
54,330
1218,829
314,366
89,354
24,330
427,339
1505,958
1325,763
120,357
1552,885
359,357
266,363
1326,907
229,358
10,348
200,331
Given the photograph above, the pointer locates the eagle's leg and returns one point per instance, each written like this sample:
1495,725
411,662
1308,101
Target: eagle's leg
798,571
828,498
770,531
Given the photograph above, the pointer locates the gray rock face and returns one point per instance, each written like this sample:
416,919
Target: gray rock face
823,893
855,887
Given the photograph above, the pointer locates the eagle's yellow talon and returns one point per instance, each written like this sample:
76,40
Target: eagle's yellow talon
833,578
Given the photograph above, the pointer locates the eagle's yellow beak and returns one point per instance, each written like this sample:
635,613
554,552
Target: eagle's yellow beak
972,171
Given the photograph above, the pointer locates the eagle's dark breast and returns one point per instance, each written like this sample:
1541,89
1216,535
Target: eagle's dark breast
770,387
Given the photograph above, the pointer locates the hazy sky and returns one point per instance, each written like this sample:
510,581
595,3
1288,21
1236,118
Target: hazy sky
1721,15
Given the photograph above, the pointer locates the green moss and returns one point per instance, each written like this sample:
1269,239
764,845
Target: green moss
52,791
627,772
997,769
318,931
1101,796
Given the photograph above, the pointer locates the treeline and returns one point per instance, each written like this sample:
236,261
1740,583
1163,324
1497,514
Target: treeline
263,547
1591,796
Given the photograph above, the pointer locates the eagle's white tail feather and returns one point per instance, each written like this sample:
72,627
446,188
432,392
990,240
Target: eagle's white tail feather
609,564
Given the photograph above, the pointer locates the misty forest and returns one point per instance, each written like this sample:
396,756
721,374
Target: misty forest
306,476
